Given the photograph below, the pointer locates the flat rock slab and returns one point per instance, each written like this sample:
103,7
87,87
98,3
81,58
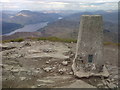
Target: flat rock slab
41,55
79,84
36,49
56,51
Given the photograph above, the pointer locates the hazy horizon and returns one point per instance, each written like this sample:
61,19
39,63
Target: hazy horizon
40,5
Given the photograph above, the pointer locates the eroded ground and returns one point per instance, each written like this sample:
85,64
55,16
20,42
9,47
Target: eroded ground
44,64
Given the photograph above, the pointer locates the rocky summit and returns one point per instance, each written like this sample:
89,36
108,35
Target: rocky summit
45,64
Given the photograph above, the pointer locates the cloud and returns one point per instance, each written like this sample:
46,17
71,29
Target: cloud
11,7
64,1
84,1
88,6
59,4
5,1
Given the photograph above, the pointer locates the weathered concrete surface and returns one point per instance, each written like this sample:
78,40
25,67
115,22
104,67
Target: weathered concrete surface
90,46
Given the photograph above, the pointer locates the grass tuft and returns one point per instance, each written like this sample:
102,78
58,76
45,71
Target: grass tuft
111,43
55,39
13,40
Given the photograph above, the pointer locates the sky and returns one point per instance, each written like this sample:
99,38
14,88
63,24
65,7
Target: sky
39,5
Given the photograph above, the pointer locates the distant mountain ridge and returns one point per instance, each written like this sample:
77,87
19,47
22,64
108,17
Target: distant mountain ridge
30,17
11,22
68,27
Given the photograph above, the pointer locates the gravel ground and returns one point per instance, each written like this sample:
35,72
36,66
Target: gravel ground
45,64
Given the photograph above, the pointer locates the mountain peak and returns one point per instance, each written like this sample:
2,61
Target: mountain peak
25,12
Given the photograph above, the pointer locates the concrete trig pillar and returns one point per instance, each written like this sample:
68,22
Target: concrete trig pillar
89,59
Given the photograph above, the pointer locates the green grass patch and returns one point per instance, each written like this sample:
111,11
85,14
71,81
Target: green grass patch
56,39
53,39
111,43
13,40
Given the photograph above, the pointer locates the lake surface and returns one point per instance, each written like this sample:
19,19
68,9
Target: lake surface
29,28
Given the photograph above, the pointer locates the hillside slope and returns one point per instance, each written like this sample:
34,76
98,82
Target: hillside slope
9,27
68,27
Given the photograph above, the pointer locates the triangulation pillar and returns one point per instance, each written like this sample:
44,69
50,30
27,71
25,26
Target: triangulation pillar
89,59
